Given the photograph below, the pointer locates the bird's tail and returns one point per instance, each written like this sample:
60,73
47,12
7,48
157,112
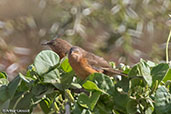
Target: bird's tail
112,72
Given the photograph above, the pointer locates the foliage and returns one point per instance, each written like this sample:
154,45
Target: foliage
125,29
51,83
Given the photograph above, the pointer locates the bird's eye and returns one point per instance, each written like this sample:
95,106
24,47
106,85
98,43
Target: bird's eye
75,50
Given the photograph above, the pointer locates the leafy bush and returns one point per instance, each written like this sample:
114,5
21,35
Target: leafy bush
51,84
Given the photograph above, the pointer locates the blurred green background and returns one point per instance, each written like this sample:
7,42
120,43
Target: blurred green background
122,31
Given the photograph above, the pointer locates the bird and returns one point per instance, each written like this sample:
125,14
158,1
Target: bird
85,63
60,46
82,62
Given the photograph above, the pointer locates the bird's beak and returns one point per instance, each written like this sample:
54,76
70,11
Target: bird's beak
47,43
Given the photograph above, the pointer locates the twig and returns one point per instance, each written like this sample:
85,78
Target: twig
77,90
167,47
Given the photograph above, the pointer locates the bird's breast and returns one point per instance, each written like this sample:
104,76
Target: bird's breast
81,67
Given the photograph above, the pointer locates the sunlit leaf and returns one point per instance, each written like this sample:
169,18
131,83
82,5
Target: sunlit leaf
3,75
151,64
66,66
26,79
46,61
3,81
89,85
52,77
167,76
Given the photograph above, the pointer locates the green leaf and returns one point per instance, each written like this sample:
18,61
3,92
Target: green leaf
66,66
25,102
41,90
167,76
89,101
8,92
151,64
27,80
3,75
132,107
12,86
120,100
89,85
45,105
120,93
94,98
26,83
143,70
52,77
46,61
123,83
102,108
5,105
66,80
79,110
18,95
24,86
103,82
75,86
3,81
149,110
137,82
162,101
4,94
158,72
83,100
133,72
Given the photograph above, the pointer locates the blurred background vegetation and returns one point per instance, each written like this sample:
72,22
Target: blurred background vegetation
122,31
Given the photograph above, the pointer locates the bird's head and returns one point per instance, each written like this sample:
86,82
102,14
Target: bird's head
60,46
76,53
57,42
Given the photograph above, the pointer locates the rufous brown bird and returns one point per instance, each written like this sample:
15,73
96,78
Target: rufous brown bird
60,46
85,63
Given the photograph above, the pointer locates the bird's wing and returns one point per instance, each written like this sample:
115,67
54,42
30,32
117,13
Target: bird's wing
96,62
101,65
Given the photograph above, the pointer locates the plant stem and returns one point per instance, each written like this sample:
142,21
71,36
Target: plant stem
18,100
167,47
